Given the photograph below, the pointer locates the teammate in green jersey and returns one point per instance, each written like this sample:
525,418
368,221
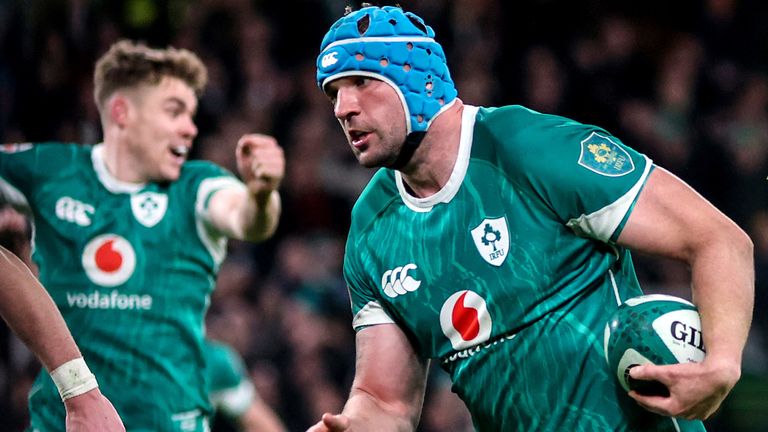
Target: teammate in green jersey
232,392
29,311
496,241
129,236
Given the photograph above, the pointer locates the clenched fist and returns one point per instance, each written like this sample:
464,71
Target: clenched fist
260,162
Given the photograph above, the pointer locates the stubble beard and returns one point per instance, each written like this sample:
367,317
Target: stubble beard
388,152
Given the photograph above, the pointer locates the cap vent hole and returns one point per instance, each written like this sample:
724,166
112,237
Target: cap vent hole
419,25
359,57
409,46
384,62
406,67
363,24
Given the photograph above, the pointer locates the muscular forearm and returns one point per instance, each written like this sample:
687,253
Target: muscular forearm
32,315
723,289
388,391
671,220
260,215
242,215
367,413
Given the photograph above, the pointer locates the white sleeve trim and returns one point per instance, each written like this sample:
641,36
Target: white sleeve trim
602,223
215,242
12,195
371,314
234,402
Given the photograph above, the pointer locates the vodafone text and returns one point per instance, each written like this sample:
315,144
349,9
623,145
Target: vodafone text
113,300
469,352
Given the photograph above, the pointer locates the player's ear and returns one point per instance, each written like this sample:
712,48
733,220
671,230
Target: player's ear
119,106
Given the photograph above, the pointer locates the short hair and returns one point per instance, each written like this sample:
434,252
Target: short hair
130,64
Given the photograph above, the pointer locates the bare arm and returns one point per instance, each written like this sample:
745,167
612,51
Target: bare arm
388,390
251,213
671,219
260,418
32,315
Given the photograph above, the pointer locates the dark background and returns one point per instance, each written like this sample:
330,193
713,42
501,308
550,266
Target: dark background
685,82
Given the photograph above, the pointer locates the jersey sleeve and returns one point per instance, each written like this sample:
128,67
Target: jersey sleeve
24,165
230,392
587,177
208,178
367,309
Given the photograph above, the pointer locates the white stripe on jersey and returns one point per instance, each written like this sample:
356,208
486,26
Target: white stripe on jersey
602,223
371,314
215,242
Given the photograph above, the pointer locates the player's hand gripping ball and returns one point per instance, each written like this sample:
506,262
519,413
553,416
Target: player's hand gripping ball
658,329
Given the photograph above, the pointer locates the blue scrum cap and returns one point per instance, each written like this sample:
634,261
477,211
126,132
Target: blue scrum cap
396,47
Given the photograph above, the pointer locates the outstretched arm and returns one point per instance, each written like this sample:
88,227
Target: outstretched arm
251,213
32,315
388,390
672,220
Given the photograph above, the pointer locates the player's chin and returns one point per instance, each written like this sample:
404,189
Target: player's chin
169,174
370,160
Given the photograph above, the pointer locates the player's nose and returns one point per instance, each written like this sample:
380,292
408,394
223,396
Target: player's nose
347,103
189,128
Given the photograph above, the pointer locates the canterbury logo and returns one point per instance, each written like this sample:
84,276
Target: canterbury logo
397,281
329,59
72,210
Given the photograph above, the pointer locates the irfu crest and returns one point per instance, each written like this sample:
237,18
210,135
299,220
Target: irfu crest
149,207
491,238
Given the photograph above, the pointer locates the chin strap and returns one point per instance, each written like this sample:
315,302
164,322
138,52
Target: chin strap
412,141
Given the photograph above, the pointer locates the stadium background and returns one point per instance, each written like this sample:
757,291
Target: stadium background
686,82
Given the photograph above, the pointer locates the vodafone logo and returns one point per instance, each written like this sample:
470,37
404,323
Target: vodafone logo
465,320
109,260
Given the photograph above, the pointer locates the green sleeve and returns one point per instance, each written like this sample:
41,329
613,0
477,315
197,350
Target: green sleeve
585,176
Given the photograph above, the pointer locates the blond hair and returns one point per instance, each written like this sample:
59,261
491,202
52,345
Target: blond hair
129,64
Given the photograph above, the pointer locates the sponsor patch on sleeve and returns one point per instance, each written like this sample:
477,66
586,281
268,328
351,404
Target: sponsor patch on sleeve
599,153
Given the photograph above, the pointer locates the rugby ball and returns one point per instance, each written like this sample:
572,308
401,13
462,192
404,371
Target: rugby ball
658,329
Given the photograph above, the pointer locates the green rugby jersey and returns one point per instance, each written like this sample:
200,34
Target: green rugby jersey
509,273
131,268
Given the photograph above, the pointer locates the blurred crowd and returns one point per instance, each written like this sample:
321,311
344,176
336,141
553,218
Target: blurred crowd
685,82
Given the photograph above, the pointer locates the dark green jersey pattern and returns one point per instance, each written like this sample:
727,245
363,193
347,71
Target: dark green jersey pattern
131,268
508,274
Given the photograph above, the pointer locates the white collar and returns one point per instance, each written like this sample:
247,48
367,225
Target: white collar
451,187
106,178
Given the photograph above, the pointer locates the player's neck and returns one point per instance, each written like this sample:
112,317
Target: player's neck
118,161
432,163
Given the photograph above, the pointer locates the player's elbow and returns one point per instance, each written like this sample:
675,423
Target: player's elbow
740,243
721,238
